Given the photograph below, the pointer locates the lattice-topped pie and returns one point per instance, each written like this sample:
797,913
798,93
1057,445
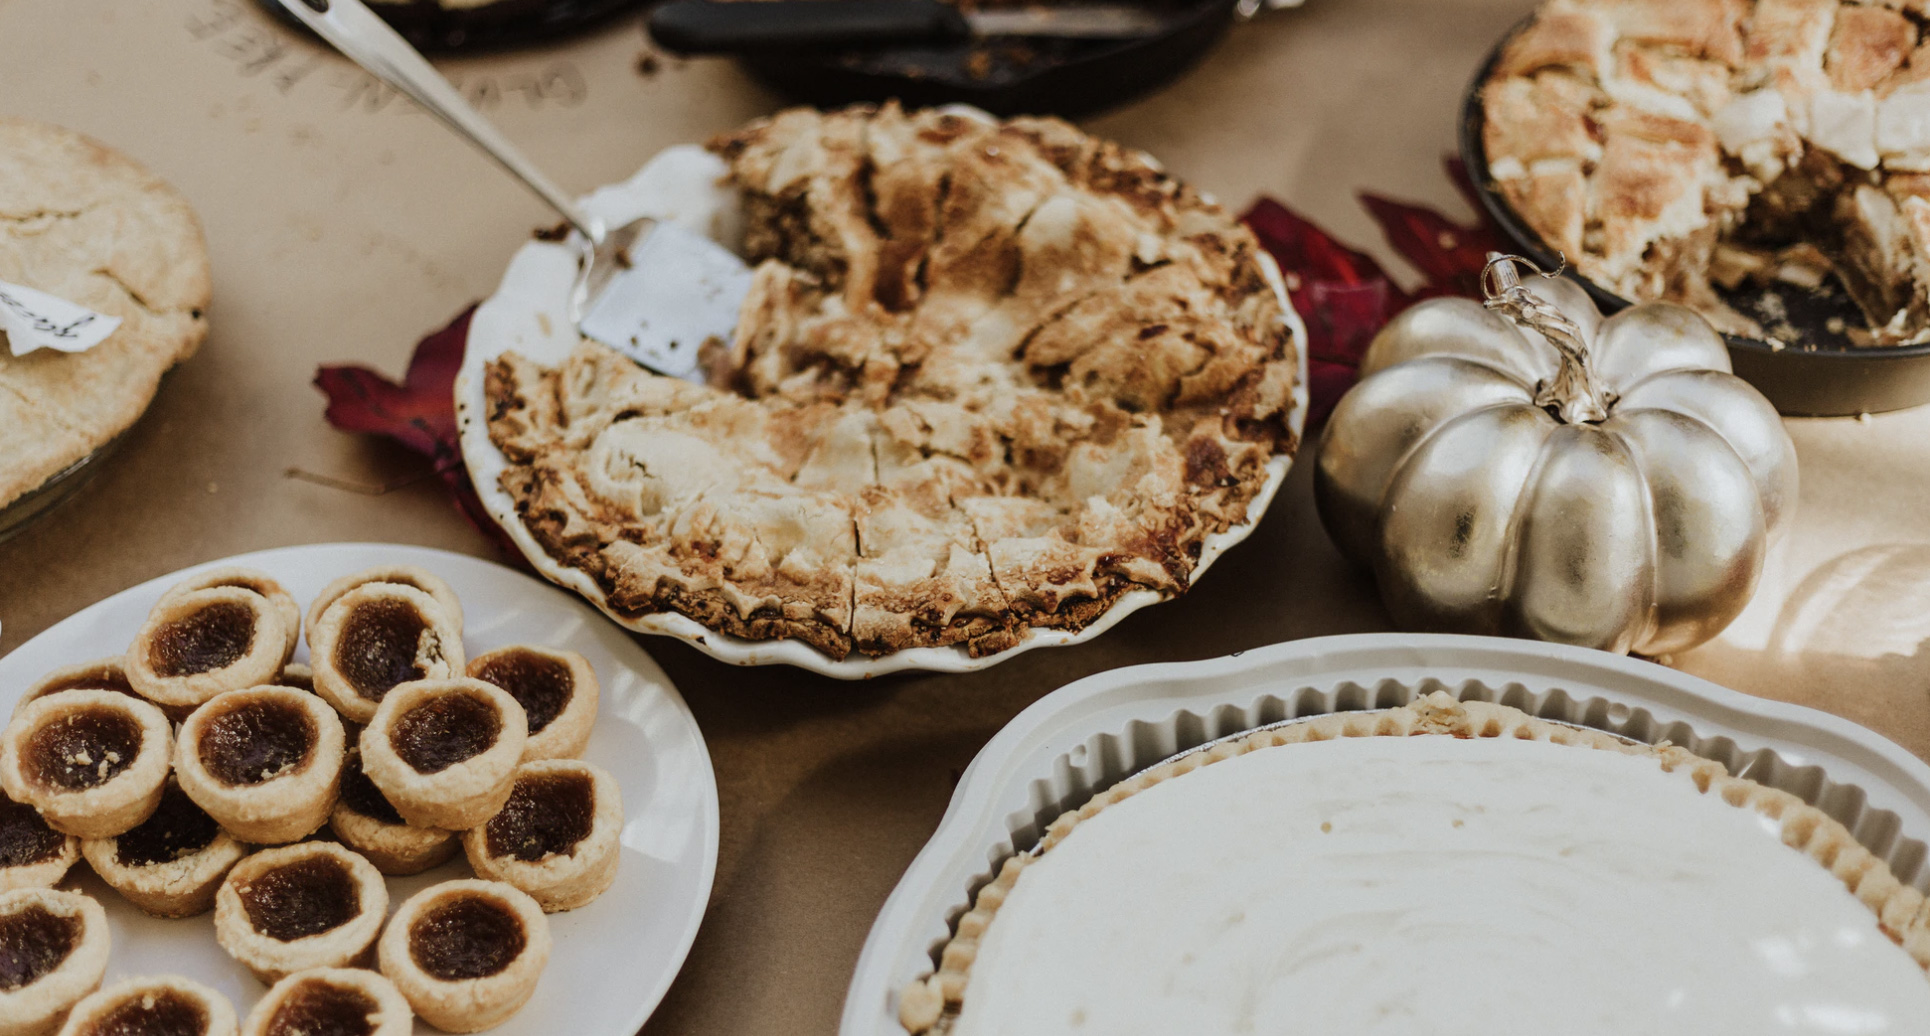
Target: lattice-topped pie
990,377
1674,147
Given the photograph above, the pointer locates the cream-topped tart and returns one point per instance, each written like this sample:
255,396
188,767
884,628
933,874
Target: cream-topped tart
1487,873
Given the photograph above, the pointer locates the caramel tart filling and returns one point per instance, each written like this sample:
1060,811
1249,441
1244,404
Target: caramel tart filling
83,748
100,676
444,731
361,795
25,839
542,685
33,942
307,897
157,1012
380,646
256,742
318,1008
547,813
177,830
209,638
466,937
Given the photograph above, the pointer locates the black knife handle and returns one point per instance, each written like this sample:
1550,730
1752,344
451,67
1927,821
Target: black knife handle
736,26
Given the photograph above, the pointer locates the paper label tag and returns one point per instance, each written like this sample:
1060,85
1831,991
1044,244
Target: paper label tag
36,320
681,290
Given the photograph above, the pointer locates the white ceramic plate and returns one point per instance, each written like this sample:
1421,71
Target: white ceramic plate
1088,735
614,958
529,314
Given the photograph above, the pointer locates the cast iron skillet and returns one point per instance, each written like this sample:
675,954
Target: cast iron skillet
1828,378
1006,77
494,26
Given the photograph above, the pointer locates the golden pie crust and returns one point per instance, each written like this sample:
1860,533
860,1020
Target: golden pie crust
32,854
297,675
557,836
110,752
473,735
557,690
1672,149
990,377
368,823
258,581
85,223
36,1008
265,762
328,1001
248,912
375,636
200,643
1900,910
457,1000
406,575
172,864
150,1007
106,674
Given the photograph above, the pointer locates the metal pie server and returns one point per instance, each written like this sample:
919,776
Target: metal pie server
650,289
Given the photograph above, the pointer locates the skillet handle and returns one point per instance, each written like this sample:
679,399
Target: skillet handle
737,26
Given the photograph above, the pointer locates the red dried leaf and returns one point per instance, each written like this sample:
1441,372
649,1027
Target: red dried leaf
1305,250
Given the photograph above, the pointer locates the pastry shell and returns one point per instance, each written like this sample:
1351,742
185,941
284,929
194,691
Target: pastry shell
391,1016
36,1008
396,848
104,810
460,795
1899,909
297,675
531,674
347,944
179,887
257,663
436,654
466,1004
406,575
556,880
124,1007
258,581
293,803
32,854
106,674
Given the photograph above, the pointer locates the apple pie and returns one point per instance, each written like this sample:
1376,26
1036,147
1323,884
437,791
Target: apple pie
1689,150
990,377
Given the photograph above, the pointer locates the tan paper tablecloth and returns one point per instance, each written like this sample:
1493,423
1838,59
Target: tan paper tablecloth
344,225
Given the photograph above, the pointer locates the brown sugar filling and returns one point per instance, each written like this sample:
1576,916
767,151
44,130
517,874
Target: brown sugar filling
82,749
256,742
162,1012
178,829
379,646
540,684
361,795
211,638
304,898
444,731
546,813
320,1009
33,942
466,937
25,839
106,678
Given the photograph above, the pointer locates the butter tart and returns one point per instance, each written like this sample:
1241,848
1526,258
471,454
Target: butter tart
369,824
107,674
376,636
298,676
265,762
32,855
53,952
308,905
198,644
556,837
331,1002
467,954
92,762
405,575
171,865
260,582
168,1006
557,690
444,752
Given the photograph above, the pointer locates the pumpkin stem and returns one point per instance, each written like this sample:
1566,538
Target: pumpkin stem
1573,395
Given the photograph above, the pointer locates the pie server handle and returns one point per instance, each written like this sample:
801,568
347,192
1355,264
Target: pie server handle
737,26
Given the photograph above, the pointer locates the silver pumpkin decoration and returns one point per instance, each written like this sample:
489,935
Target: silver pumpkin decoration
1522,466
